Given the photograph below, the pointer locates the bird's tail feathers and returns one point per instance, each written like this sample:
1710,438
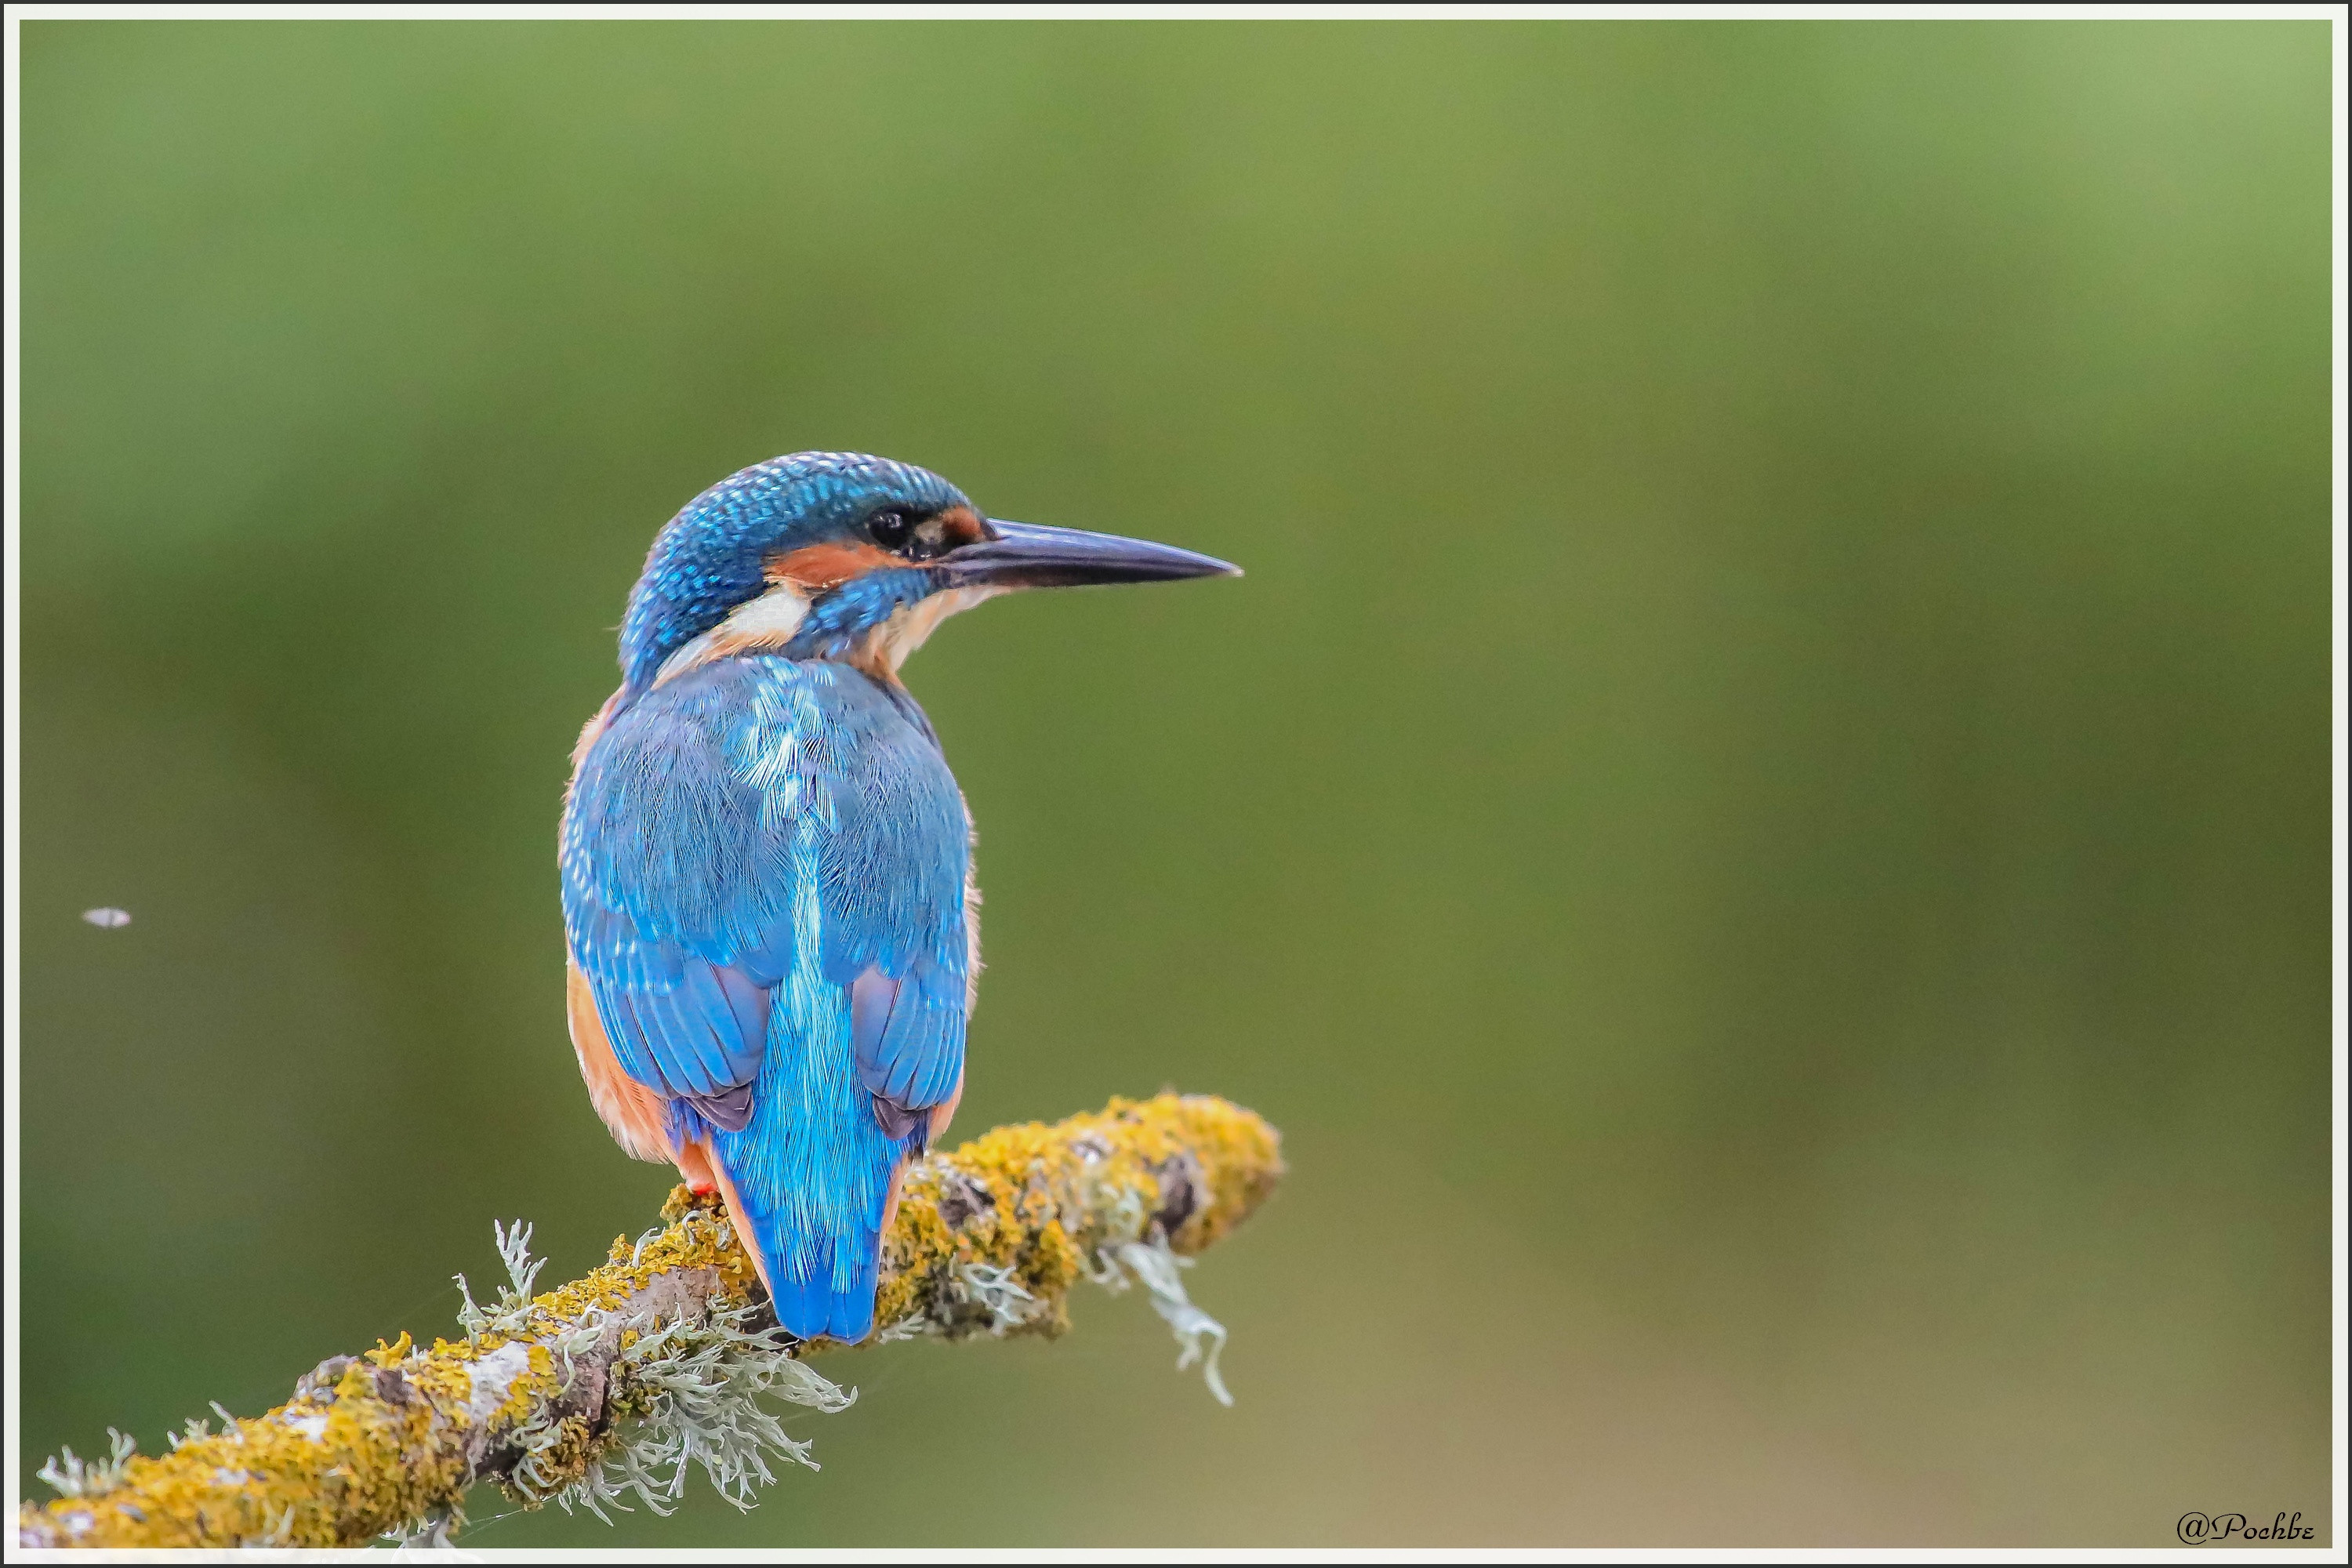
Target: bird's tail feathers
810,1306
812,1298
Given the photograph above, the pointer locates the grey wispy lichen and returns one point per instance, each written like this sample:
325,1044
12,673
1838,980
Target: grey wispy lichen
71,1476
605,1392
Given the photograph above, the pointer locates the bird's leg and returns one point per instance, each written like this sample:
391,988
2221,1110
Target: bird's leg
694,1164
890,1203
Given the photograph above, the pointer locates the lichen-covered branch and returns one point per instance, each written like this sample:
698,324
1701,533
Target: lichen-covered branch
606,1390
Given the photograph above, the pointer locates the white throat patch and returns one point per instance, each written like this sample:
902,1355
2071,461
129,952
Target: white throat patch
894,642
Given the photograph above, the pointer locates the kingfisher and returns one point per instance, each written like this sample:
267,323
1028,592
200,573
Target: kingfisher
768,895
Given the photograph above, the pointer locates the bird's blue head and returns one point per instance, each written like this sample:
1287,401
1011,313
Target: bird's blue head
840,555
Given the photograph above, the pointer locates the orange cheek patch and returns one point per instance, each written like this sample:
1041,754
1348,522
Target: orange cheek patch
818,567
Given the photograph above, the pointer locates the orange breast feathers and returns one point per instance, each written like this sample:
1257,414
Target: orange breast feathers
637,1116
639,1122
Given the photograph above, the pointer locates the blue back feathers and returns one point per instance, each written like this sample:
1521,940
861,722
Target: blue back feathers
746,845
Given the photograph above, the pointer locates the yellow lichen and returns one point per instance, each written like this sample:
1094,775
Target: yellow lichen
1008,1200
381,1440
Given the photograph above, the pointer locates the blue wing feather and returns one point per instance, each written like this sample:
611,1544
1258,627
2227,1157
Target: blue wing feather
740,845
908,1034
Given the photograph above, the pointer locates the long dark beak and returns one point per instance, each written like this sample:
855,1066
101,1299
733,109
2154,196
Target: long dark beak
1031,555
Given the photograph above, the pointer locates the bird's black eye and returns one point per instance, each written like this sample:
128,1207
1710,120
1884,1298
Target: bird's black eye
890,528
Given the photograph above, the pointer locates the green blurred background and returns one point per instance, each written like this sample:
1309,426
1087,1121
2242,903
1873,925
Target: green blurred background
1760,819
